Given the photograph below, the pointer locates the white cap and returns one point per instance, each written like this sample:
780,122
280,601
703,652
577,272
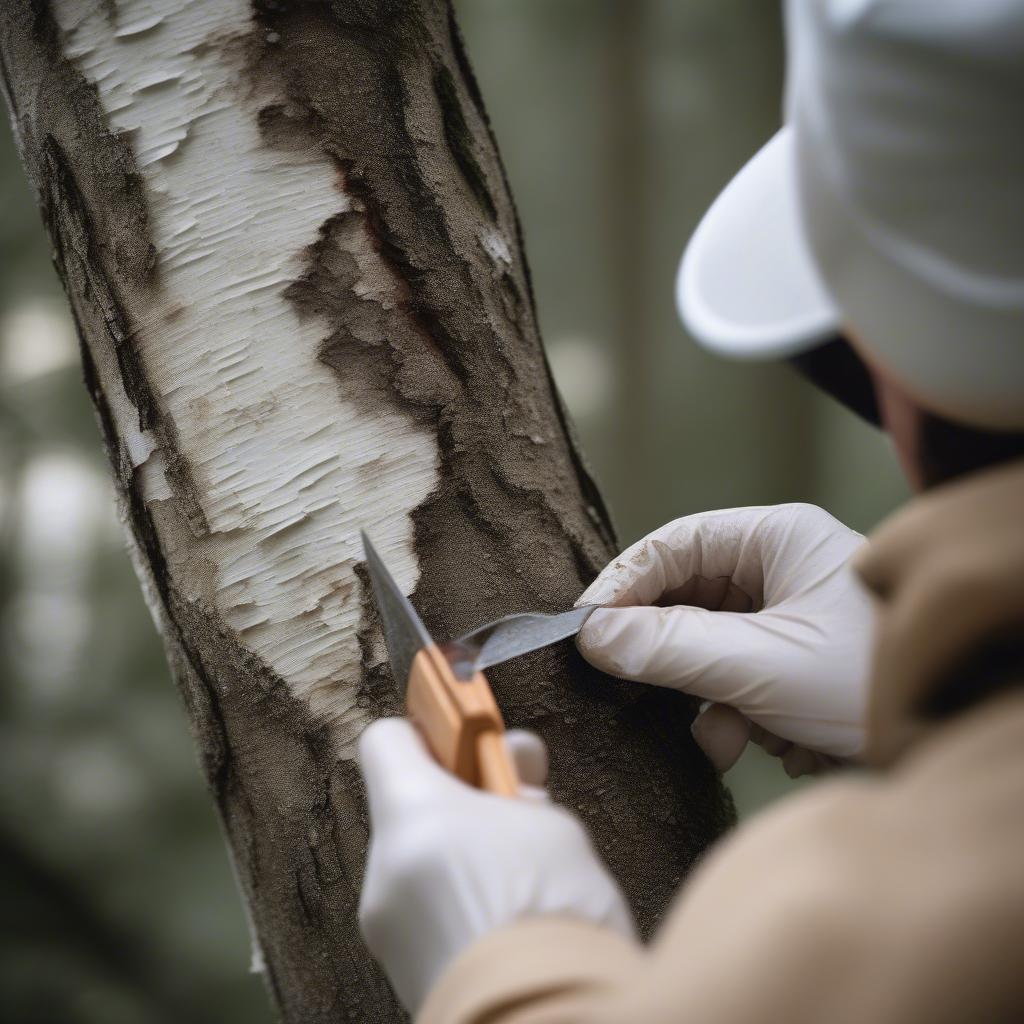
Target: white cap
892,204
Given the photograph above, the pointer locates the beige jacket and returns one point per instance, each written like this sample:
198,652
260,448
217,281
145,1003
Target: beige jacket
890,896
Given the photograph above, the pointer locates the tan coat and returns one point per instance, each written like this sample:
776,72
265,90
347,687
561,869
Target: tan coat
883,897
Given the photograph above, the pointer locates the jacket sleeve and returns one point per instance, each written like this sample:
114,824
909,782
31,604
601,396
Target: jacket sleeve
546,969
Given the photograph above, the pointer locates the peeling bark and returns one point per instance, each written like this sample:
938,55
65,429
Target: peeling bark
298,277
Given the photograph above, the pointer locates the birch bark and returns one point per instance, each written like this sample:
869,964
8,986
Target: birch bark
298,278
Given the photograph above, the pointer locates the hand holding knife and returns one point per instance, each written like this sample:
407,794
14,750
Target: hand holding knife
445,690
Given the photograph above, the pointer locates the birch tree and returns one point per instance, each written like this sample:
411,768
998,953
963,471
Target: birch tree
298,278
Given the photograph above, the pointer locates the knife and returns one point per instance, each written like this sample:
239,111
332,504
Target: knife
513,635
446,693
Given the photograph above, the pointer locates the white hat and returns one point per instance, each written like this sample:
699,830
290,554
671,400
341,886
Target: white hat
892,204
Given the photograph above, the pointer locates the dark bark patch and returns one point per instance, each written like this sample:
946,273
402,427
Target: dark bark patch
461,141
101,277
378,691
284,126
117,201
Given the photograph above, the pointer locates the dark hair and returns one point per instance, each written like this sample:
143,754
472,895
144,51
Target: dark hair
947,450
836,369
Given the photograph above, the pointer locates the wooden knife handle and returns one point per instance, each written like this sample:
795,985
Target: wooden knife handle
497,772
461,723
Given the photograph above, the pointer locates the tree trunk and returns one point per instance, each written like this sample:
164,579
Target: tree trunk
298,278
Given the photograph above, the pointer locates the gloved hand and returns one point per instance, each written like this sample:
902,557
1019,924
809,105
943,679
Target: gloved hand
449,863
754,609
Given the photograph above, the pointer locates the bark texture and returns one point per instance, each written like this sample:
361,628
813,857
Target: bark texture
422,407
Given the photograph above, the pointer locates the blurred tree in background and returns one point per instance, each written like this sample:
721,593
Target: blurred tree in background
619,120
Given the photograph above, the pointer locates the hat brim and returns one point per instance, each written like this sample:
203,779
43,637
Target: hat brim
747,286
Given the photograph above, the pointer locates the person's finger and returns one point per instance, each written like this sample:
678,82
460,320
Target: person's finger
722,733
397,766
796,760
530,756
724,545
773,745
799,761
720,656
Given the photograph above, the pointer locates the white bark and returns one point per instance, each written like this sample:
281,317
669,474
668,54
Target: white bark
289,465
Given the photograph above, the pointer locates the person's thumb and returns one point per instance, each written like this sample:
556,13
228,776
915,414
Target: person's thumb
722,733
714,655
530,755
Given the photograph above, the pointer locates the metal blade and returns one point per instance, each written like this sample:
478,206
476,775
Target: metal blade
510,637
404,632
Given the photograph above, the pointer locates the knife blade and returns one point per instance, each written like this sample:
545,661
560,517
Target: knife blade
510,637
404,633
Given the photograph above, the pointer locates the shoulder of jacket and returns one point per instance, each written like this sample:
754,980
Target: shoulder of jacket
947,573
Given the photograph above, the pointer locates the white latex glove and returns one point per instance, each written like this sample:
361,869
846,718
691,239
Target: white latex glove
754,609
449,863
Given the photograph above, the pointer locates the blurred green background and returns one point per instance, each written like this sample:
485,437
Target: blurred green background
619,120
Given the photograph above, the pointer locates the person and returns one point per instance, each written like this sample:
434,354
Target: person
878,237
